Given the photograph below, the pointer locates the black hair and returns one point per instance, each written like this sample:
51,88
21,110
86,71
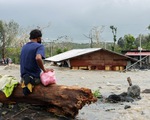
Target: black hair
35,34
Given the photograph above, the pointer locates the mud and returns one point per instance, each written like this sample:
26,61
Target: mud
108,82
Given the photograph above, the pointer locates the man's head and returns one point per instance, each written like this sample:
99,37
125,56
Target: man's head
36,34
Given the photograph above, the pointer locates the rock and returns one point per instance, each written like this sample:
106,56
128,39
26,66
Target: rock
146,91
113,98
129,99
127,106
134,91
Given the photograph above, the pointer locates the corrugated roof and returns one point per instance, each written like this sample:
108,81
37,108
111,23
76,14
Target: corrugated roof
137,53
71,54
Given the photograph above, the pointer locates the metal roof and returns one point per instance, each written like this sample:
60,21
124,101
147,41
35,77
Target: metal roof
71,53
138,53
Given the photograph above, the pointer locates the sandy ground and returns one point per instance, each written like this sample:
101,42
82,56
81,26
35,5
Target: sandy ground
108,82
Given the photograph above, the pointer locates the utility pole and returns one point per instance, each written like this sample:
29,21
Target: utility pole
141,47
140,53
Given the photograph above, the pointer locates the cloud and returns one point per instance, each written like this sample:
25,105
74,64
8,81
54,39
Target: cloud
76,17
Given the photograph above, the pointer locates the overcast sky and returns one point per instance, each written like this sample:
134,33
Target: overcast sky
77,17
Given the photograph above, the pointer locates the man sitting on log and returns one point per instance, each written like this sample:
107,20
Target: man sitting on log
31,62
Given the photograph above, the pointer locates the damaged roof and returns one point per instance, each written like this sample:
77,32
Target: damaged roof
77,52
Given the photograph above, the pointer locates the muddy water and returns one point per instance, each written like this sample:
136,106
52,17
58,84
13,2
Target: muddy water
139,110
108,82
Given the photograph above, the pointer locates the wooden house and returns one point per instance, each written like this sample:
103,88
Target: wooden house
92,59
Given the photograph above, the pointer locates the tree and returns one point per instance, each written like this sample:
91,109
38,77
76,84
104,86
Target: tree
121,42
59,45
97,34
114,31
94,36
90,36
145,41
148,27
8,32
2,38
129,42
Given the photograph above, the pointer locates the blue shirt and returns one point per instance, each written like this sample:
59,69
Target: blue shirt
28,63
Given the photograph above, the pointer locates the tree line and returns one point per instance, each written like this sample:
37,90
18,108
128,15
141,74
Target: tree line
13,37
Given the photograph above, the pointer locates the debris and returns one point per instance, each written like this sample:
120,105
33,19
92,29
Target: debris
110,109
127,106
4,112
19,112
133,92
146,91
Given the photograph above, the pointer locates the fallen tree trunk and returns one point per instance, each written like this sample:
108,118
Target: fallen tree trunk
58,99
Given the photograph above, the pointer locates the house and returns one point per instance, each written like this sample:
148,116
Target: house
143,56
92,59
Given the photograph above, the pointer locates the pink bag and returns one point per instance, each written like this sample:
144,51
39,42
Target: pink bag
48,78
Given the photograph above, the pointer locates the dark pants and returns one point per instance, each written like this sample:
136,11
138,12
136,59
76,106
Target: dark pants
37,80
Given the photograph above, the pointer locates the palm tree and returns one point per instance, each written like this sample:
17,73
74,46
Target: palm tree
114,31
